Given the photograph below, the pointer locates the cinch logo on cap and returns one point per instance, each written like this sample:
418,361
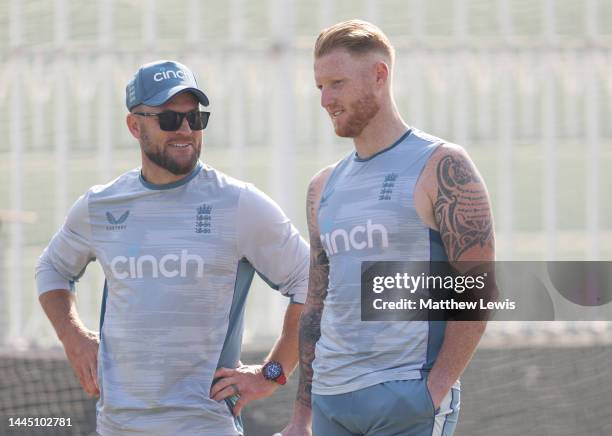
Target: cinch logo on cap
170,74
157,82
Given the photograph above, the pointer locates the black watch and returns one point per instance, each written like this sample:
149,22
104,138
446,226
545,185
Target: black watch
273,371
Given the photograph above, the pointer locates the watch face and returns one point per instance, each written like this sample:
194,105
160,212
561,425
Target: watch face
272,370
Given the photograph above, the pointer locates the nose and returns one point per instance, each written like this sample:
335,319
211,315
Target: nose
184,127
326,98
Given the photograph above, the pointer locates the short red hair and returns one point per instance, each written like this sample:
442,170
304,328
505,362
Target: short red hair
355,36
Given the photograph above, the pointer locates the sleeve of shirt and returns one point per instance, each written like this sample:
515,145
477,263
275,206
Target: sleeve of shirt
268,240
64,260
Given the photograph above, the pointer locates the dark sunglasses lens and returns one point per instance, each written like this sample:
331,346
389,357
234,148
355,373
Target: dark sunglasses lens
197,120
170,121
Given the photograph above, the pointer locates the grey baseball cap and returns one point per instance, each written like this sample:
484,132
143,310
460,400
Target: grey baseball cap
157,82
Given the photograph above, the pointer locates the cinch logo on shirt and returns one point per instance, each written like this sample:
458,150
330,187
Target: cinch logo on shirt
170,74
170,265
358,238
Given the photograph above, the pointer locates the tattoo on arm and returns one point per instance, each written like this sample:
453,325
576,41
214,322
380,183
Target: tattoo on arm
310,321
462,208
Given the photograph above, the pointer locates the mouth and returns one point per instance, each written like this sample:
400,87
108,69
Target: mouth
336,114
179,145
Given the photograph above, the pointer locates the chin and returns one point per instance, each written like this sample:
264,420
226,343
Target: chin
342,131
185,169
346,133
343,134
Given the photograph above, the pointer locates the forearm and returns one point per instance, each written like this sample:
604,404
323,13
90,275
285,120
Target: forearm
310,321
285,349
310,332
460,341
60,307
80,344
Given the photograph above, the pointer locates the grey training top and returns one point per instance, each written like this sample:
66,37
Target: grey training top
178,261
367,213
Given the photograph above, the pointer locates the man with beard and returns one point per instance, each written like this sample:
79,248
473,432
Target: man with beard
179,243
401,195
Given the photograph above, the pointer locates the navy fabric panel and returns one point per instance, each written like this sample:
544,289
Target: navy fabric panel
230,353
437,250
436,328
103,305
434,342
268,281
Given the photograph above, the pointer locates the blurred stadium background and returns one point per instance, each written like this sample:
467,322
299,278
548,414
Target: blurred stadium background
523,85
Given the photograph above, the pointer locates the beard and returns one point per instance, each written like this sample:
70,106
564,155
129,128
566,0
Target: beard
362,111
162,158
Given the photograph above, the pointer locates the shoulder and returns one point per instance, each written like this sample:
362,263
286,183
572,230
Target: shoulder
125,182
319,180
448,172
223,179
213,184
81,205
447,160
315,190
254,205
420,137
448,151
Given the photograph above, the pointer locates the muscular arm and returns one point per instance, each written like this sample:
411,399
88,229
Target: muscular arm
461,212
310,321
80,344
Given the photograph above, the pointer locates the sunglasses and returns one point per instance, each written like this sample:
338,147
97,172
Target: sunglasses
170,121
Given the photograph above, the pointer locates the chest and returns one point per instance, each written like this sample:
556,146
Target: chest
157,237
367,209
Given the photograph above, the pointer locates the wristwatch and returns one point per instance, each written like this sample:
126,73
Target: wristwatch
273,371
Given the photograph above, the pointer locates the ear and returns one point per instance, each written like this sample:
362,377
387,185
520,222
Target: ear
133,125
382,72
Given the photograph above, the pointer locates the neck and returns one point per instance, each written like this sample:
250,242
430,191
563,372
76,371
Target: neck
381,132
159,176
